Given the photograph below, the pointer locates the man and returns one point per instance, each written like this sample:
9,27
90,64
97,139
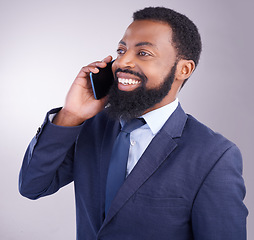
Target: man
183,181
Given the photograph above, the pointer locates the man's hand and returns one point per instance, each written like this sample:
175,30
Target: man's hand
80,103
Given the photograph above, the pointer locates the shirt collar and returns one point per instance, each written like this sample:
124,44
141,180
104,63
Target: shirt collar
157,118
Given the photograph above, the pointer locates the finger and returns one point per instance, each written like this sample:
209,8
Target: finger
84,72
98,64
103,63
107,59
94,67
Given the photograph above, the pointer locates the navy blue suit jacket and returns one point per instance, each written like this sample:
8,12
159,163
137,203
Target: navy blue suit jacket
187,184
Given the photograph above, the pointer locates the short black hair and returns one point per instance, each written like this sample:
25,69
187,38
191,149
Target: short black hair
186,38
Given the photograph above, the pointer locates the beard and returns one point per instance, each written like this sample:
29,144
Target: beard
129,105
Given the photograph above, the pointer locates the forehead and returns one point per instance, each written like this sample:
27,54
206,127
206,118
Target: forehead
154,32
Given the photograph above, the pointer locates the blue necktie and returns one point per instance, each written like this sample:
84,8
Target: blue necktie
118,161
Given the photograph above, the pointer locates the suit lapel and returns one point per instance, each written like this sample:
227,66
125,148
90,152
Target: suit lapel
156,153
112,130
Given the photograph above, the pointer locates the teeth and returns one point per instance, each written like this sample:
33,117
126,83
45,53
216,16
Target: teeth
125,81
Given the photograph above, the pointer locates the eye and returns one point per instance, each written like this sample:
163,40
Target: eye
120,51
144,54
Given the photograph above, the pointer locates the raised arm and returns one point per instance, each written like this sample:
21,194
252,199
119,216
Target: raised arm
48,162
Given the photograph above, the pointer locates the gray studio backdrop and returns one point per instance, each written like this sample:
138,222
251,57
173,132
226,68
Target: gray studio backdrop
44,44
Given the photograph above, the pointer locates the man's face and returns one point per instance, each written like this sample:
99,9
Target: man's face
143,65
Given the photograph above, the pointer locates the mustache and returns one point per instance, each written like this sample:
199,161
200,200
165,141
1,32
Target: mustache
142,76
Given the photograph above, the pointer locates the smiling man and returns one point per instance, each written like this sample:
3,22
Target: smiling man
170,177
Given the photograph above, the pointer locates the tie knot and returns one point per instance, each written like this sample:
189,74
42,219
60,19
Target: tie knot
133,124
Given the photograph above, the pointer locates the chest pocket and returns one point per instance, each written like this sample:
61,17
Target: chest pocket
158,202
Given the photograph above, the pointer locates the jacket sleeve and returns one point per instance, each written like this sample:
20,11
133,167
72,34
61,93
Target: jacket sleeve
218,211
48,161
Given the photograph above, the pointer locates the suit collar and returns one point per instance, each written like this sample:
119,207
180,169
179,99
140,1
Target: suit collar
175,124
154,122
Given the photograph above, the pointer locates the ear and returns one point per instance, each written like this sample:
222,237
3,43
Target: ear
184,70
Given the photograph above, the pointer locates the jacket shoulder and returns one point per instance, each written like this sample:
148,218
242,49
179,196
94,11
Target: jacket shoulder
205,132
203,138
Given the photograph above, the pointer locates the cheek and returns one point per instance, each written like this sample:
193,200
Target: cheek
114,68
156,75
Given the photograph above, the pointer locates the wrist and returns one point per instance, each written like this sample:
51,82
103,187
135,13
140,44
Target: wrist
67,119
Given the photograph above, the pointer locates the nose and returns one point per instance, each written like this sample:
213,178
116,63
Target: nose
125,60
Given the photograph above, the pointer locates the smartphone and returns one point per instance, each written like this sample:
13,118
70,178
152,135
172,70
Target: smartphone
102,81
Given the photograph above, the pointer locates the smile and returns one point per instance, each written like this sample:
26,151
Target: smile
125,81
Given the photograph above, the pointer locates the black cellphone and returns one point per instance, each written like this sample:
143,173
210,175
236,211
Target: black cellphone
102,81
